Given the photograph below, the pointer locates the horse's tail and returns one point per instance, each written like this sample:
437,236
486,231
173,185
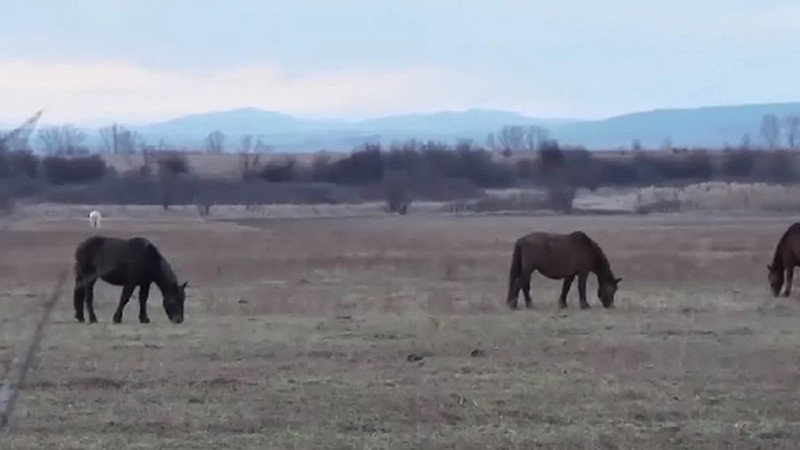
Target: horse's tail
514,274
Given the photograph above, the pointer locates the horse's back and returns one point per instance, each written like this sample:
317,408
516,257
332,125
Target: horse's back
111,251
571,242
556,255
789,243
793,231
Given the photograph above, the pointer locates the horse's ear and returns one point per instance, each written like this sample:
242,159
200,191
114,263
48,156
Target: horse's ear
183,286
618,280
769,267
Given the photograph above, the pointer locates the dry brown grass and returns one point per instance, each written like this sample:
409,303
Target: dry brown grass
299,333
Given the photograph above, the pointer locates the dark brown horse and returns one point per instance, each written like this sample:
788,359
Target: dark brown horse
784,260
129,263
560,256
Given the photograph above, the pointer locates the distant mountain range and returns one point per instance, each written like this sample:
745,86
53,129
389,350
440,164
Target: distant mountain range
706,126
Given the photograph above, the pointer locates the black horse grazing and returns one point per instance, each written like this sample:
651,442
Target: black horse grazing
128,263
560,256
784,260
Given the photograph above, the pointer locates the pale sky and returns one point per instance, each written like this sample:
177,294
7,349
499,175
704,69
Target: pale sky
94,61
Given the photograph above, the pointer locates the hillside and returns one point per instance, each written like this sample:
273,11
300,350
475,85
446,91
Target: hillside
706,126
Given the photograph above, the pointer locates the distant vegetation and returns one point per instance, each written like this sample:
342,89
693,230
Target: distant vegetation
520,157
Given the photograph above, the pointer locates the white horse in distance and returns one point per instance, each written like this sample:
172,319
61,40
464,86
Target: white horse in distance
94,218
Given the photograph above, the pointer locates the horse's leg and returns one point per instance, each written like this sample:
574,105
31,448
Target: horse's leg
144,291
88,289
562,301
789,276
127,291
525,281
582,289
77,298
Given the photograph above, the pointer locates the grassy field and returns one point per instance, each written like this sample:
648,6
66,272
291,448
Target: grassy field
391,333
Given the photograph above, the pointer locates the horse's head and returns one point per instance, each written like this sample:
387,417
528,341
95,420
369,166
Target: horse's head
775,278
174,299
606,290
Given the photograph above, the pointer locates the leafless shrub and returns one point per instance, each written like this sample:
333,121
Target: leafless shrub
398,193
204,207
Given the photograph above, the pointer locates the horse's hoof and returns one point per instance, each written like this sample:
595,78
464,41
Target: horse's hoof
786,294
92,320
585,306
80,319
144,319
562,306
117,319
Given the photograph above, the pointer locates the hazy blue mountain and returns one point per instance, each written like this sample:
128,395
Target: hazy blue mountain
237,121
455,121
296,134
706,126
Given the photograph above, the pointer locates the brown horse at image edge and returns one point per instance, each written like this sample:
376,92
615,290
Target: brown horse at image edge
784,260
560,256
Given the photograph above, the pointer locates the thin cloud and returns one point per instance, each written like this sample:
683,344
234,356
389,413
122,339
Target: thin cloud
105,90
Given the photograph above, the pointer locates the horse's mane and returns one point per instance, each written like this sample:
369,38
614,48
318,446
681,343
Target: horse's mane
165,272
603,266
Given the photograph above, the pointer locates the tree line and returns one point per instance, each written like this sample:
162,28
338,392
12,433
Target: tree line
398,172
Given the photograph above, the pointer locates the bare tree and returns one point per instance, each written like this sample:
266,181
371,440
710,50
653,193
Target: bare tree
535,136
116,139
109,139
62,140
260,146
511,138
792,126
150,155
119,140
170,166
666,144
770,130
215,142
247,143
746,143
490,142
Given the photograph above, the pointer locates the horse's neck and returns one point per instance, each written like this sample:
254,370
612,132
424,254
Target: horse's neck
165,277
604,273
780,252
603,268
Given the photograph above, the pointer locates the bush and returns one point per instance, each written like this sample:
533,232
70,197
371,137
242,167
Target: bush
82,169
398,195
361,167
419,161
279,171
776,166
172,164
481,169
525,168
738,163
560,196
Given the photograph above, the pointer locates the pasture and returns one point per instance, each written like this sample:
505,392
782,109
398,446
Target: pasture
392,333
